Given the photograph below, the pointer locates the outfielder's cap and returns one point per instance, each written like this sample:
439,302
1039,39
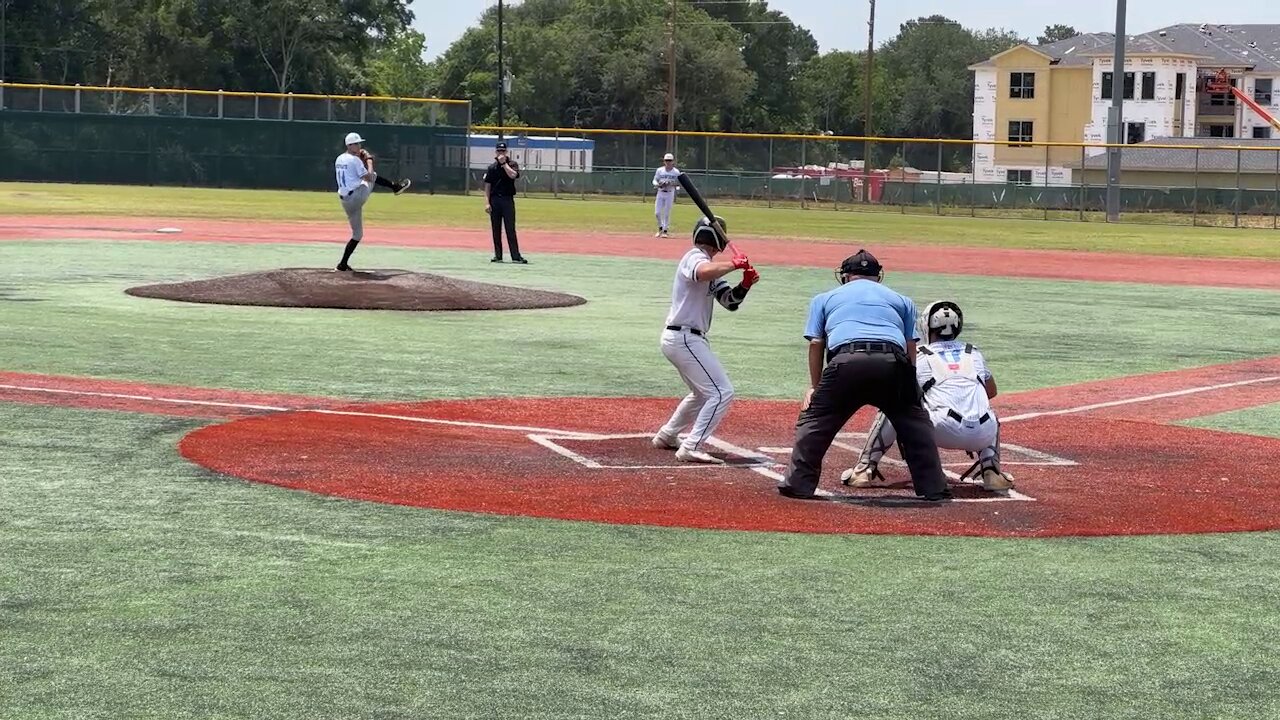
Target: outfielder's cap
353,138
500,146
668,156
861,263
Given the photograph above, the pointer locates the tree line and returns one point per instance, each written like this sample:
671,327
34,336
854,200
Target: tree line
740,67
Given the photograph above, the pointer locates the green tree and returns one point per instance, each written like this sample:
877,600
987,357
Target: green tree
1054,33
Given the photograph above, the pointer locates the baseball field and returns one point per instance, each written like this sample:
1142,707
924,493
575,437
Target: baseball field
213,511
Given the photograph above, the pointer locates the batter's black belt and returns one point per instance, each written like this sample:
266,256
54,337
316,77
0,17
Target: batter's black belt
960,418
678,328
866,346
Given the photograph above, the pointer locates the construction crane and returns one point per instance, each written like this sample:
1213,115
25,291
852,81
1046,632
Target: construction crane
1220,84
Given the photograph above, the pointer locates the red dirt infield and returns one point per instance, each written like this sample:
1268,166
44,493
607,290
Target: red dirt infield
590,459
796,252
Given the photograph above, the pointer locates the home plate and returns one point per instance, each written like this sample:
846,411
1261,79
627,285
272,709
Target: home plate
169,230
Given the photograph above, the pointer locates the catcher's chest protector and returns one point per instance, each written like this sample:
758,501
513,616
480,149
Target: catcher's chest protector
948,363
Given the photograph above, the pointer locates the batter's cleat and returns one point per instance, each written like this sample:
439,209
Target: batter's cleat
663,443
860,477
994,480
403,185
697,456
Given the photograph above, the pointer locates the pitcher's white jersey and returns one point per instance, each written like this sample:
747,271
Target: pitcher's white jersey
666,180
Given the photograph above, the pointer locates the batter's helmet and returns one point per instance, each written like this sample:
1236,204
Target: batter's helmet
704,233
943,317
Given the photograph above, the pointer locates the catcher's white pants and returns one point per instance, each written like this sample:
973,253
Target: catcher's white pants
662,208
353,204
710,392
968,435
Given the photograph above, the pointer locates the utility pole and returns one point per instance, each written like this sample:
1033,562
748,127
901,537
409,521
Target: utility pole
502,75
671,75
4,27
1115,118
866,112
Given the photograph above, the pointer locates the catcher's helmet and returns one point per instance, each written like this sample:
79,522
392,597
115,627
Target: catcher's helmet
704,233
944,318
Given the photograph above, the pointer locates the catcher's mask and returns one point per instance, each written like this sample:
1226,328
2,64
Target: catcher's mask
861,263
944,318
704,233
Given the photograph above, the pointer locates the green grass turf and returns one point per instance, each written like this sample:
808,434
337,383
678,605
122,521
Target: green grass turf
135,585
1261,420
635,215
68,314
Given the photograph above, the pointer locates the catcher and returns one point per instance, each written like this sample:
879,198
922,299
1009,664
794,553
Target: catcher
957,389
356,178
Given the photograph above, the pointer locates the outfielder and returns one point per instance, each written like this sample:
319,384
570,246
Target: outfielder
699,281
664,179
356,178
957,389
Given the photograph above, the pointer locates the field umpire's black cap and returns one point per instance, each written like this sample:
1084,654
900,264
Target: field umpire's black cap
500,146
861,263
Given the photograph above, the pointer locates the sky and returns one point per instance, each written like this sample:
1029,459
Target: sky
842,24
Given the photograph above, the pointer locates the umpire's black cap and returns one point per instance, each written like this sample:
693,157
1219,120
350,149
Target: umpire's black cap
861,263
500,146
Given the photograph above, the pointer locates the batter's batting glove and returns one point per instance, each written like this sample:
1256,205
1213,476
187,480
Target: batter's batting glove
749,277
740,262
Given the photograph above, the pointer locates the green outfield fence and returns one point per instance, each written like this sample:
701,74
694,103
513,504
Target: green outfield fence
227,139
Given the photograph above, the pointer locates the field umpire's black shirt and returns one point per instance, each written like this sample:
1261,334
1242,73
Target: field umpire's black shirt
503,185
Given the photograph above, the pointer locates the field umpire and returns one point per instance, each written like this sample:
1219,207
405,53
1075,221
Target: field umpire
864,333
500,202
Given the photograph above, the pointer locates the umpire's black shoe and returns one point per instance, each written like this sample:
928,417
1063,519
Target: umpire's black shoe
941,496
343,267
496,259
788,491
520,261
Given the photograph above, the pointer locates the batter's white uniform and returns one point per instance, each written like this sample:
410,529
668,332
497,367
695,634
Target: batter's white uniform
953,375
684,343
353,190
666,183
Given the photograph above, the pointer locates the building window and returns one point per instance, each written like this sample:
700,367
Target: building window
1020,131
1128,85
1220,131
1262,132
1022,85
1107,81
1018,177
1148,86
1262,91
1180,88
1135,133
1226,99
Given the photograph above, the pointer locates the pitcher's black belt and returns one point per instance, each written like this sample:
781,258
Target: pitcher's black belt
866,346
678,328
960,418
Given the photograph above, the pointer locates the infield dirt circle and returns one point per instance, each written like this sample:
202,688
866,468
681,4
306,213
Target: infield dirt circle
590,459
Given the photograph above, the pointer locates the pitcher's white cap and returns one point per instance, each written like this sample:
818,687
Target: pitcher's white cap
353,138
668,156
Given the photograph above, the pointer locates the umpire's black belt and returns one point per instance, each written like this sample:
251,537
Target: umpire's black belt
678,328
866,346
960,418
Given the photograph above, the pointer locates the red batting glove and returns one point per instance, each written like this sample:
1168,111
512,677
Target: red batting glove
750,277
740,262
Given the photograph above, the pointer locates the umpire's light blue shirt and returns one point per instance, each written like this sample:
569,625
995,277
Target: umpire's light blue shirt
861,310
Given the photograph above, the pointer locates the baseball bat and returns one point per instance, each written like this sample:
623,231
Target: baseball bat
692,190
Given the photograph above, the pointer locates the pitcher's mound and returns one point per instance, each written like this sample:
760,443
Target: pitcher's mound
359,290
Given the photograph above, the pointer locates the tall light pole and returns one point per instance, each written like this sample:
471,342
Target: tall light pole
4,46
866,111
1115,118
502,75
671,75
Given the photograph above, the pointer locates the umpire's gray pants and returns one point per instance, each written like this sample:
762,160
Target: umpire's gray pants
353,204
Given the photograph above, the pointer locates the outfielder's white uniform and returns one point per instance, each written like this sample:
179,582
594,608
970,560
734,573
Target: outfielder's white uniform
952,374
353,190
666,183
684,343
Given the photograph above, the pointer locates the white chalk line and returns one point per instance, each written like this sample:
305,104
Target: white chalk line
1142,399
